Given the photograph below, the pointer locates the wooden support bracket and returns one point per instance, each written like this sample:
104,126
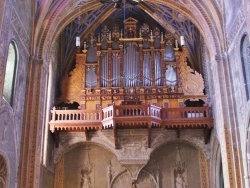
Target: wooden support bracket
115,138
56,138
149,137
87,135
207,132
178,133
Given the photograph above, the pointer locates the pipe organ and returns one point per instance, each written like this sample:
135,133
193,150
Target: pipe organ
132,78
131,64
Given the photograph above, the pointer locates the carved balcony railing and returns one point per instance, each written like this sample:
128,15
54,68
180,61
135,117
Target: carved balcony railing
187,117
133,116
75,120
126,116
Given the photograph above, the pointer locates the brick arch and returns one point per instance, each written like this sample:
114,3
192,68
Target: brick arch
57,19
215,162
76,141
202,163
195,142
207,25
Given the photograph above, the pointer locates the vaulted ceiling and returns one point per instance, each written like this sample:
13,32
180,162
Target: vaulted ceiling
67,18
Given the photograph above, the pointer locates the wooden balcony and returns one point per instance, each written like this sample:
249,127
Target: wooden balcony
75,120
133,116
187,117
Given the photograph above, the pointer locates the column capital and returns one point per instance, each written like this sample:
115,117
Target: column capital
36,59
219,57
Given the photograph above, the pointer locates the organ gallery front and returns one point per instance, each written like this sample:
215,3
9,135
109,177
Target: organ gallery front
132,77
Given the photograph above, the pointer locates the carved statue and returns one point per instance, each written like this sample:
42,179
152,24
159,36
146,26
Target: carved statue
179,181
85,180
180,171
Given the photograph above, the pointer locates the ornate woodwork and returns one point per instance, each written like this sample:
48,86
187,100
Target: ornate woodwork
130,78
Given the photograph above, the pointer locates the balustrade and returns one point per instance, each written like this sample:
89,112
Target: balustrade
186,112
105,117
74,115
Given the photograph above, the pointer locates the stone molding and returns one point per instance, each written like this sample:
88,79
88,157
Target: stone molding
132,154
17,25
236,26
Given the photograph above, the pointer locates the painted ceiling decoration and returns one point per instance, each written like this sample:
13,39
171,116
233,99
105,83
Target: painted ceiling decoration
119,3
174,22
193,19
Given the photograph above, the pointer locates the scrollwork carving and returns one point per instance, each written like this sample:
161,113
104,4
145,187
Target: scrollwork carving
71,84
192,81
134,148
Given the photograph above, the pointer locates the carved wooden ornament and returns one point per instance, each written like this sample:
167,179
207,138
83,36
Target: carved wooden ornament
192,81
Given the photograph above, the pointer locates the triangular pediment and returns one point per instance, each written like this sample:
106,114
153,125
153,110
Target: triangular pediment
130,20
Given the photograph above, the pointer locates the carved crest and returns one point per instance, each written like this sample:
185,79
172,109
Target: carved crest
192,81
71,84
130,27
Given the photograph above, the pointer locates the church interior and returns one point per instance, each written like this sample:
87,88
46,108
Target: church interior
125,93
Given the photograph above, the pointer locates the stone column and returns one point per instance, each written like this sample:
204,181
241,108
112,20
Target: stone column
32,125
227,124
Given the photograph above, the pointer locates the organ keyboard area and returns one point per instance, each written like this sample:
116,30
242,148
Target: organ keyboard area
134,70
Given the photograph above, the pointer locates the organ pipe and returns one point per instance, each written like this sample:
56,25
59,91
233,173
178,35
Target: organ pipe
158,69
130,67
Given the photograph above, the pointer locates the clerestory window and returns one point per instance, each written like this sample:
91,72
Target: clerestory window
10,73
245,58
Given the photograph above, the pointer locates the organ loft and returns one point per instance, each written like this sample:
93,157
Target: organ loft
124,93
131,79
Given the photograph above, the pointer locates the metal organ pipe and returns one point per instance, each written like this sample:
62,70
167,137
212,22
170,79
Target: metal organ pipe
91,77
135,69
132,61
137,63
158,69
130,68
146,69
131,65
104,70
116,71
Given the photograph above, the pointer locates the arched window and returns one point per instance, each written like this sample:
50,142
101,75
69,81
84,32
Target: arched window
3,172
10,73
245,58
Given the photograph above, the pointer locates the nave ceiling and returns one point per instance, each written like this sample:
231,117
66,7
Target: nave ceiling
60,19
